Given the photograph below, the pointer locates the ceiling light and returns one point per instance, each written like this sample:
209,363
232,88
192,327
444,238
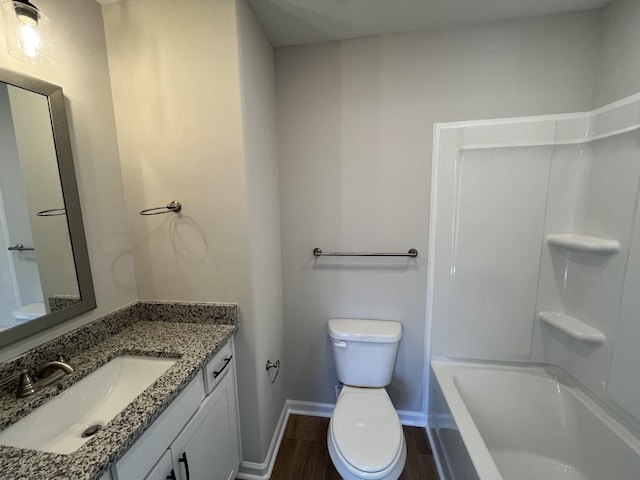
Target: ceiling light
27,32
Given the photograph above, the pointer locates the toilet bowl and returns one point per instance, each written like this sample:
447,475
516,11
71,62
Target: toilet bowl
365,437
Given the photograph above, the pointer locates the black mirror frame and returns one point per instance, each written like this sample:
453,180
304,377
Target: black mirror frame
62,142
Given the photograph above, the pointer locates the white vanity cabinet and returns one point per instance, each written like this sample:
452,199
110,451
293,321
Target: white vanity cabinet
197,437
207,447
163,469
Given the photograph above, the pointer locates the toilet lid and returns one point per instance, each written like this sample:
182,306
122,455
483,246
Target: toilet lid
366,430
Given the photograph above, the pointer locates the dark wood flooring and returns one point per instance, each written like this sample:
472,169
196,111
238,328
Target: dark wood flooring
303,453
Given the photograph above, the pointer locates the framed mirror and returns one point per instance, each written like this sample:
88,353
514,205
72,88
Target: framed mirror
45,277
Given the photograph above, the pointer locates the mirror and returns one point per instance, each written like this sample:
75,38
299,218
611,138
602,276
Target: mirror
45,276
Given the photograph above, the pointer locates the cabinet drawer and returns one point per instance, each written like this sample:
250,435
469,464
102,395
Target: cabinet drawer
219,366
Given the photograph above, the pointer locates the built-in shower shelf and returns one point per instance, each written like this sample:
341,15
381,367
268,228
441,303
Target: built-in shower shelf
584,243
575,328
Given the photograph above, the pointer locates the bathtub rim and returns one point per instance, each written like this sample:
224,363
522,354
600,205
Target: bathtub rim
477,449
443,368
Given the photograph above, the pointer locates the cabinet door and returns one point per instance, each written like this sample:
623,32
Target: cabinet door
144,454
207,448
163,470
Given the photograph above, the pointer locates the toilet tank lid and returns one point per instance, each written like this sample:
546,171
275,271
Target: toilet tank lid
365,330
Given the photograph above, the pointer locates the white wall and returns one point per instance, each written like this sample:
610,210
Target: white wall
355,123
257,76
619,54
180,93
81,69
619,76
623,386
177,104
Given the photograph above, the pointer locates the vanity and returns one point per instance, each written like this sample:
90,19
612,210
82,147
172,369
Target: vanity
197,436
145,392
183,426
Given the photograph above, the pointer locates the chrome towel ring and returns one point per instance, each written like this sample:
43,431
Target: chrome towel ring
52,212
173,206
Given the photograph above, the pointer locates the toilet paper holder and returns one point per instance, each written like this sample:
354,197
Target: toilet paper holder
275,365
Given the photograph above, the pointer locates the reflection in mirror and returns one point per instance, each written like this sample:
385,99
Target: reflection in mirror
44,270
39,258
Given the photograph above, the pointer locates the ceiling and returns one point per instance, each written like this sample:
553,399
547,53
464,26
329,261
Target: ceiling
296,22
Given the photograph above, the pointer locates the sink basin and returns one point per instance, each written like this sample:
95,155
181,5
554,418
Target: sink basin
86,406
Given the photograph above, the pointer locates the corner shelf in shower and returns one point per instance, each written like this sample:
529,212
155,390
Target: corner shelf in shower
575,328
584,243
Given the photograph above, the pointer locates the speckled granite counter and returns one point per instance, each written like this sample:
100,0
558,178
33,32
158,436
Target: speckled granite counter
195,334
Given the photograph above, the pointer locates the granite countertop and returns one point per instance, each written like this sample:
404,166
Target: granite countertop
193,344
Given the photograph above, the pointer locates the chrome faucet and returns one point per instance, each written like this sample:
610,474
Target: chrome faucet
47,374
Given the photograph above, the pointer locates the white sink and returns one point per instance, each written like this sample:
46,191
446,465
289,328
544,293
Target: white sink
58,425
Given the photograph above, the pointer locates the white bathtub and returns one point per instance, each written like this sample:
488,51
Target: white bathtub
521,423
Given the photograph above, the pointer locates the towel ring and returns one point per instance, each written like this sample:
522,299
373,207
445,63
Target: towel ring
52,212
173,206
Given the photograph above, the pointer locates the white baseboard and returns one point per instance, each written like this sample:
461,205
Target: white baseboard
412,419
262,471
311,409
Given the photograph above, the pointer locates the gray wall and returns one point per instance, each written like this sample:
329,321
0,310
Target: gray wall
355,123
82,71
190,127
619,56
257,77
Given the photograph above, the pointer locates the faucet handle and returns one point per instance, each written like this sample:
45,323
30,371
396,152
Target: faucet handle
25,385
11,378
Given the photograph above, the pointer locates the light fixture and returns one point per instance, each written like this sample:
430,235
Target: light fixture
27,32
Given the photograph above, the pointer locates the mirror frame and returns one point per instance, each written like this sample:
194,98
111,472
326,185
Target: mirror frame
62,142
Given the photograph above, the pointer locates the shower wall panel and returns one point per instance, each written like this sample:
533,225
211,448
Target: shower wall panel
497,231
535,246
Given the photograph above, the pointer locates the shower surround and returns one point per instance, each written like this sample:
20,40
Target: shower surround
535,244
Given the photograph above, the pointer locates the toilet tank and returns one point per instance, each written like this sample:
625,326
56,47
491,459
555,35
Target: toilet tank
364,350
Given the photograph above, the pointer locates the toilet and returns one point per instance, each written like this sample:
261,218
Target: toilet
29,312
365,437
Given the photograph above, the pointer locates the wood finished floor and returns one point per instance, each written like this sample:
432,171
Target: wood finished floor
303,453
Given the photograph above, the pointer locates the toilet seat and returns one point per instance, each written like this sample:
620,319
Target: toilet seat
365,434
